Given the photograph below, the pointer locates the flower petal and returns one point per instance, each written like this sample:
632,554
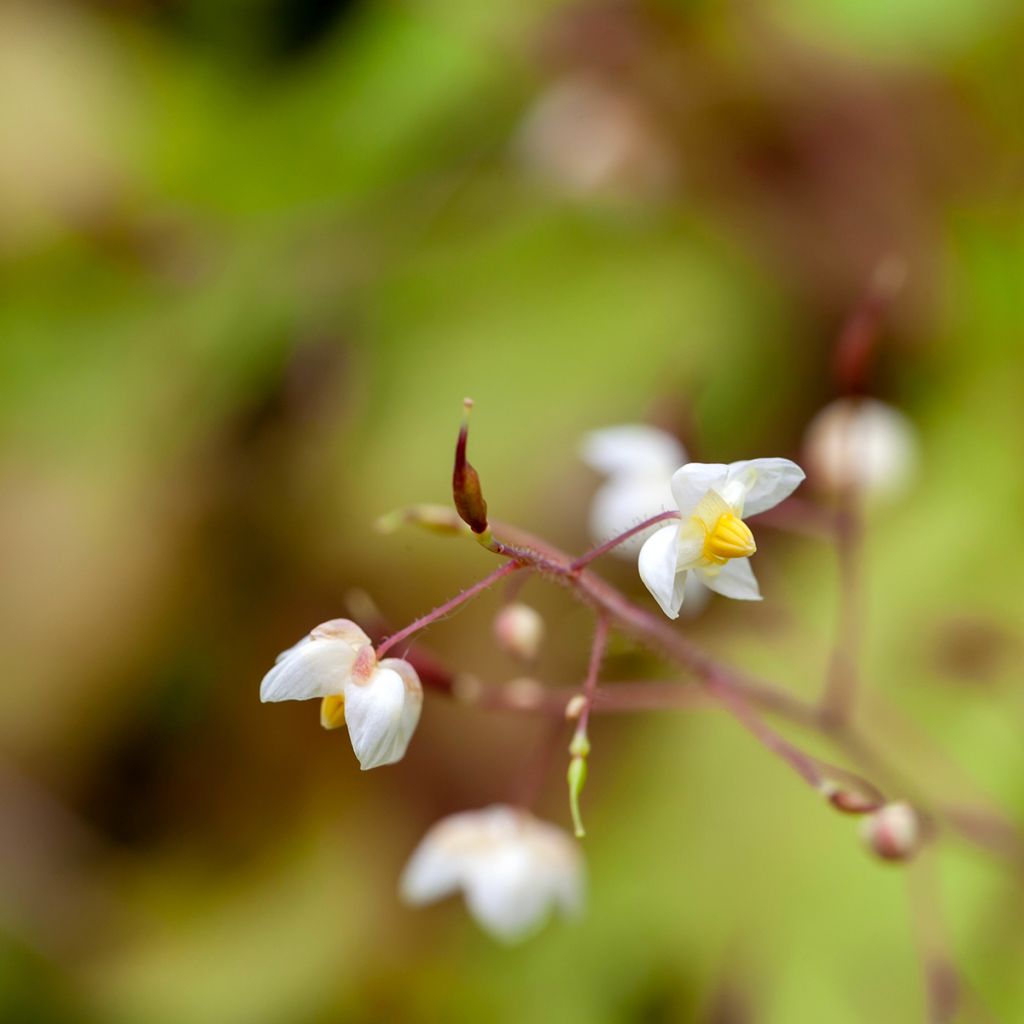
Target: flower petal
735,579
633,449
760,484
625,501
381,715
657,565
694,480
312,668
505,893
437,866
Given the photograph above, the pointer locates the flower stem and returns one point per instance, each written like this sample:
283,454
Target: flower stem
449,606
614,542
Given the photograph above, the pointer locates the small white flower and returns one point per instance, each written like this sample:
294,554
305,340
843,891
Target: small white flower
638,461
512,869
519,629
861,444
711,540
379,702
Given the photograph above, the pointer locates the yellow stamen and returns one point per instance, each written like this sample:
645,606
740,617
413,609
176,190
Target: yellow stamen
332,711
730,537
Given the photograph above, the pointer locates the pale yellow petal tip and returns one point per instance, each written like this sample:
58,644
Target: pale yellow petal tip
730,538
332,712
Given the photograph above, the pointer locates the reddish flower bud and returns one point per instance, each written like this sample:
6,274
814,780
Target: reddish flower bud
893,832
469,498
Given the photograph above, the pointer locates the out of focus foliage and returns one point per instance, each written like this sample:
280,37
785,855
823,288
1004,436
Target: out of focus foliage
252,256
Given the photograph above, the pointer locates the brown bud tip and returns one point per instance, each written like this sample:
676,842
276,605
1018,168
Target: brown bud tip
849,802
466,490
893,832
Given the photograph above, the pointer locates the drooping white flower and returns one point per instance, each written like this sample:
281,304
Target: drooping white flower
638,461
380,702
512,868
711,540
861,444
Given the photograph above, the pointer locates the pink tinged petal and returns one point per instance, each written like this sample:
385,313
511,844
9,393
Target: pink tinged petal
379,717
694,480
657,565
735,579
633,449
312,668
760,484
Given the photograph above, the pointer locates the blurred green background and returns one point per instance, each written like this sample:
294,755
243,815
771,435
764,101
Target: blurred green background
253,255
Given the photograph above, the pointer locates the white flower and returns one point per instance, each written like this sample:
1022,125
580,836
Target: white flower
638,461
380,702
861,444
711,540
511,867
519,629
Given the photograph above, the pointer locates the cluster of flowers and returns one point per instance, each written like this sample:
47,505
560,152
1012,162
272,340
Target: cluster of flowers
512,868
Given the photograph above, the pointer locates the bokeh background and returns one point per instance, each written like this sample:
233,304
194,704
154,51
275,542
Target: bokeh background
252,257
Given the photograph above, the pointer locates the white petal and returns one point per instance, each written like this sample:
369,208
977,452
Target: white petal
312,668
760,484
413,702
657,565
694,480
506,894
623,502
633,449
381,715
437,867
735,579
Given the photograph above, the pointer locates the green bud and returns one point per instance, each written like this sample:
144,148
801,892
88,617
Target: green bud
577,777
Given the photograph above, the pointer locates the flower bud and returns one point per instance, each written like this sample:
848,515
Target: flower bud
466,490
519,629
863,445
577,777
893,832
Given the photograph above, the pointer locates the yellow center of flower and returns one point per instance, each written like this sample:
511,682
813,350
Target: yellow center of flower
730,537
332,711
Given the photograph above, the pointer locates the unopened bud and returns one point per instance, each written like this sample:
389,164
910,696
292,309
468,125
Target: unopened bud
862,445
577,777
575,706
892,832
466,490
519,629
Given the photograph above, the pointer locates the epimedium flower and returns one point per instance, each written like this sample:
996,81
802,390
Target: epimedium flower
512,868
711,539
380,702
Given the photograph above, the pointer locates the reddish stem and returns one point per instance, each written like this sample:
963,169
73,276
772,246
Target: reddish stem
449,606
614,542
593,669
